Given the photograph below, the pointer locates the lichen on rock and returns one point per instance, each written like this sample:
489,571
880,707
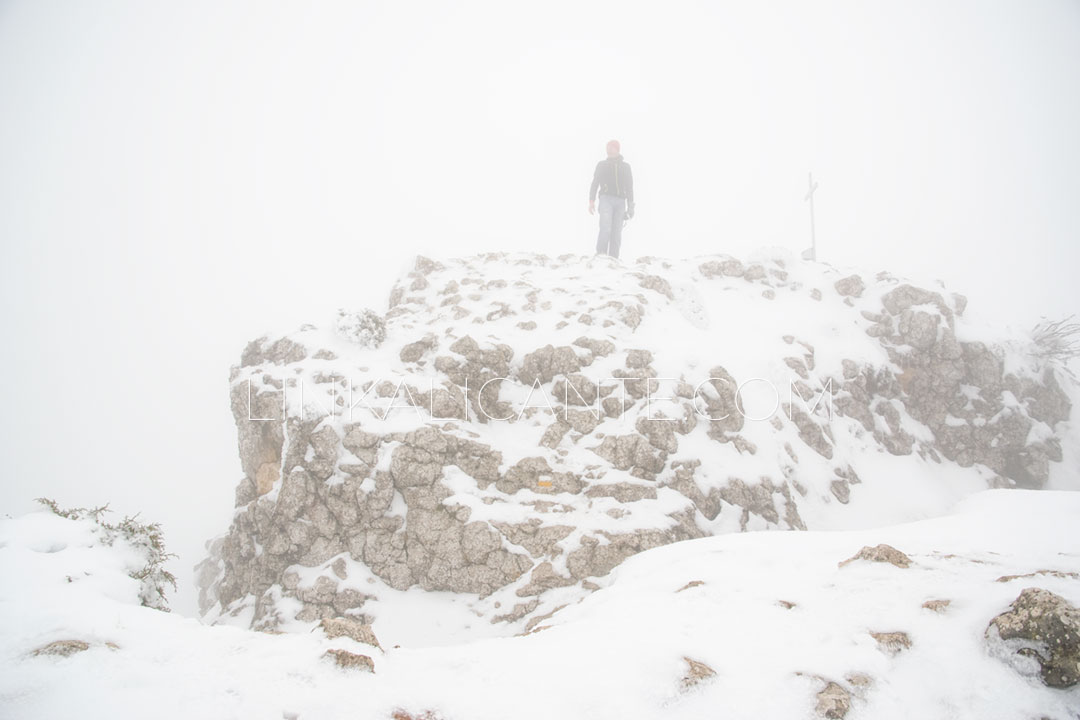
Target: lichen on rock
1042,630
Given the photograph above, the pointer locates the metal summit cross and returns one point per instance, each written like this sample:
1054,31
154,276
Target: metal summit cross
811,252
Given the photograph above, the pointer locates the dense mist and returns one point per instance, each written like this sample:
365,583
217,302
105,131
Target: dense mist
178,178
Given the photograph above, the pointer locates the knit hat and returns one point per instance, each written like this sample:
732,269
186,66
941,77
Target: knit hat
613,145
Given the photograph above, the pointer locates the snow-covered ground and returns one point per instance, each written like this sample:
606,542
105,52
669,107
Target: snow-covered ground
761,622
771,613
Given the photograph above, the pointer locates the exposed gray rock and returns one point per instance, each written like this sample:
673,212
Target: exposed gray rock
937,605
722,411
657,284
280,352
538,539
480,372
850,286
416,350
880,553
696,673
543,578
691,584
581,421
892,643
715,268
810,431
347,627
1043,629
754,271
350,660
555,433
62,648
638,358
833,702
632,452
660,432
576,389
599,348
534,473
544,364
624,492
595,559
905,296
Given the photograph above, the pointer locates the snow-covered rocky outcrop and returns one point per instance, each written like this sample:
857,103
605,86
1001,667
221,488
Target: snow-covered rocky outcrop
514,427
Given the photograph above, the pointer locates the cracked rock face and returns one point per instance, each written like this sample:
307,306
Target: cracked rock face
516,424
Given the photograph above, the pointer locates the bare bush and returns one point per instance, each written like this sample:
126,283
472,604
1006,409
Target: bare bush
1057,340
144,537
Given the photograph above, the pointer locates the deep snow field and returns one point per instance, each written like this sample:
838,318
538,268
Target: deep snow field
771,613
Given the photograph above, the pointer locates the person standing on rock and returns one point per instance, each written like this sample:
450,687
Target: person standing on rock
613,179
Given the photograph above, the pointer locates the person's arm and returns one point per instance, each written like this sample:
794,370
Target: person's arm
593,188
629,192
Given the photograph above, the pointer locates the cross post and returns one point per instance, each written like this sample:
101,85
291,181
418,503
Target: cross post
811,252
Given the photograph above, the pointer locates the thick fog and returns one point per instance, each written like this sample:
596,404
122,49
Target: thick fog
178,178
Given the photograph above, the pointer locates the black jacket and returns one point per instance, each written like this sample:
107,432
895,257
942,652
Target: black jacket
612,177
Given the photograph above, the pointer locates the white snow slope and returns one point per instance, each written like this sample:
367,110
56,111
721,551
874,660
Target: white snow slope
617,653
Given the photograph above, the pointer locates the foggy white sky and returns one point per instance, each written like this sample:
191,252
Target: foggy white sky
177,178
